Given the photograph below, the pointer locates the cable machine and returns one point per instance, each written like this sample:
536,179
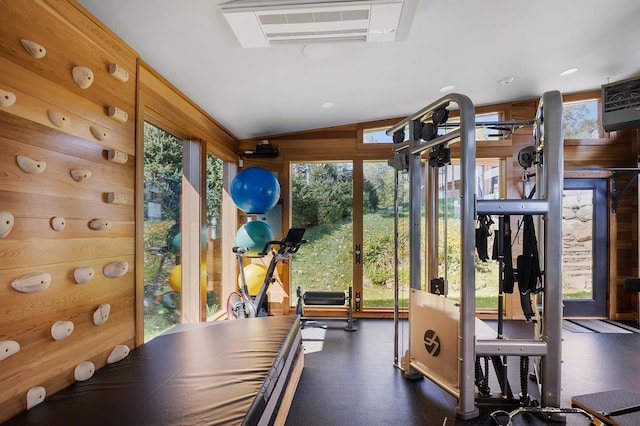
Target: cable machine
445,337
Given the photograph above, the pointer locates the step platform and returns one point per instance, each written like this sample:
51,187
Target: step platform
619,407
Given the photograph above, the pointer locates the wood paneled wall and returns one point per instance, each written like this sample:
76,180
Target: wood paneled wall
71,38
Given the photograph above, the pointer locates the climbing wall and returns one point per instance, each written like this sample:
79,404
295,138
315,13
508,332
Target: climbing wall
67,222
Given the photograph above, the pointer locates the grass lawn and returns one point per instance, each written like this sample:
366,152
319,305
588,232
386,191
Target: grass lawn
325,264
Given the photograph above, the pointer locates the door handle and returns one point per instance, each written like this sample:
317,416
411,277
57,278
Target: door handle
358,254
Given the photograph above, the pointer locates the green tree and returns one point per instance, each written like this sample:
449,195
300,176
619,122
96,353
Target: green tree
322,193
162,170
163,174
214,186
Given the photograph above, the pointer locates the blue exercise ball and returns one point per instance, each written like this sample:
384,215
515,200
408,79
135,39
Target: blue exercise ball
255,190
254,235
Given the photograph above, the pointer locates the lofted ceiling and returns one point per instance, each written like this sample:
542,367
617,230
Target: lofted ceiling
470,44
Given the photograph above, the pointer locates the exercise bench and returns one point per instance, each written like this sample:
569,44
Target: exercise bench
325,298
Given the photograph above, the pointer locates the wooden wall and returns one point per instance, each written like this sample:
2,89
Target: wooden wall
41,86
44,86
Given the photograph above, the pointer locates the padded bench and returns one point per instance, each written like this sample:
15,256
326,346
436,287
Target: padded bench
229,372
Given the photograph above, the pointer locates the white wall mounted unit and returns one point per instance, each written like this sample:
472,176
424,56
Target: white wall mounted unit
265,23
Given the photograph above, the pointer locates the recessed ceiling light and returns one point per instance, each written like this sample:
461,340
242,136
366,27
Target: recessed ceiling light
568,72
328,105
507,80
448,88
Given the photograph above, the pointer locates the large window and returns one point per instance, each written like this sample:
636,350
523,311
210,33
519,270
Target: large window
214,276
162,191
163,242
322,198
377,231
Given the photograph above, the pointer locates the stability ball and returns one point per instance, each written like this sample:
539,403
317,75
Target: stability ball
175,244
255,190
254,275
175,278
254,235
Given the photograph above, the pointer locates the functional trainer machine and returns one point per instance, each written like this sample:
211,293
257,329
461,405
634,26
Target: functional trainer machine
445,338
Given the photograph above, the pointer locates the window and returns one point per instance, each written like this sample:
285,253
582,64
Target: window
488,187
378,242
321,200
580,120
214,279
377,135
162,192
482,133
163,176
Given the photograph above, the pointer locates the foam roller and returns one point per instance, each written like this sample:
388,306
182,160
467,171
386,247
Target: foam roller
323,298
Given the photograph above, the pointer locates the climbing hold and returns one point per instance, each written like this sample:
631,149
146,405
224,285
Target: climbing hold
30,166
118,353
58,119
101,315
36,50
6,223
83,274
7,98
116,269
84,371
83,77
61,329
32,283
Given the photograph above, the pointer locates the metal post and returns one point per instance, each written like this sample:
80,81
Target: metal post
396,265
466,407
553,186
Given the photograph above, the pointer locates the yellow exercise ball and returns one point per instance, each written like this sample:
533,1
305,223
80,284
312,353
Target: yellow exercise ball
254,275
175,278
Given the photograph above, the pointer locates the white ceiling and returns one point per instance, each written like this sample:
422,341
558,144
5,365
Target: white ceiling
472,44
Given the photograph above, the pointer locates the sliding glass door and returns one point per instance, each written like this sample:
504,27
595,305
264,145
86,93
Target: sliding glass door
322,203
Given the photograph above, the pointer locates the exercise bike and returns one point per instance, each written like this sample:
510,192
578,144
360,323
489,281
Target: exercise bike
241,304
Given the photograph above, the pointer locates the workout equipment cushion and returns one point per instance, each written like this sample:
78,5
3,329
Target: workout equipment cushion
208,373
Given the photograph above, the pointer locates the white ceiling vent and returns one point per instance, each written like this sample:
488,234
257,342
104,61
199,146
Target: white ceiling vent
268,22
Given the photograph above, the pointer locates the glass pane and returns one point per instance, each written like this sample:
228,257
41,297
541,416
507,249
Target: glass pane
404,281
577,244
488,187
482,133
376,136
321,202
162,183
580,120
378,243
214,242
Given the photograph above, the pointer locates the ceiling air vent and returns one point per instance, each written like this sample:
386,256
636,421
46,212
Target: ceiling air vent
265,23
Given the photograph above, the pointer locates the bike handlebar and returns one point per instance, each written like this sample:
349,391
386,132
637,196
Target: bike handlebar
285,246
289,244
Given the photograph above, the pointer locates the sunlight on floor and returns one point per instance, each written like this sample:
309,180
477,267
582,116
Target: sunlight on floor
313,339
